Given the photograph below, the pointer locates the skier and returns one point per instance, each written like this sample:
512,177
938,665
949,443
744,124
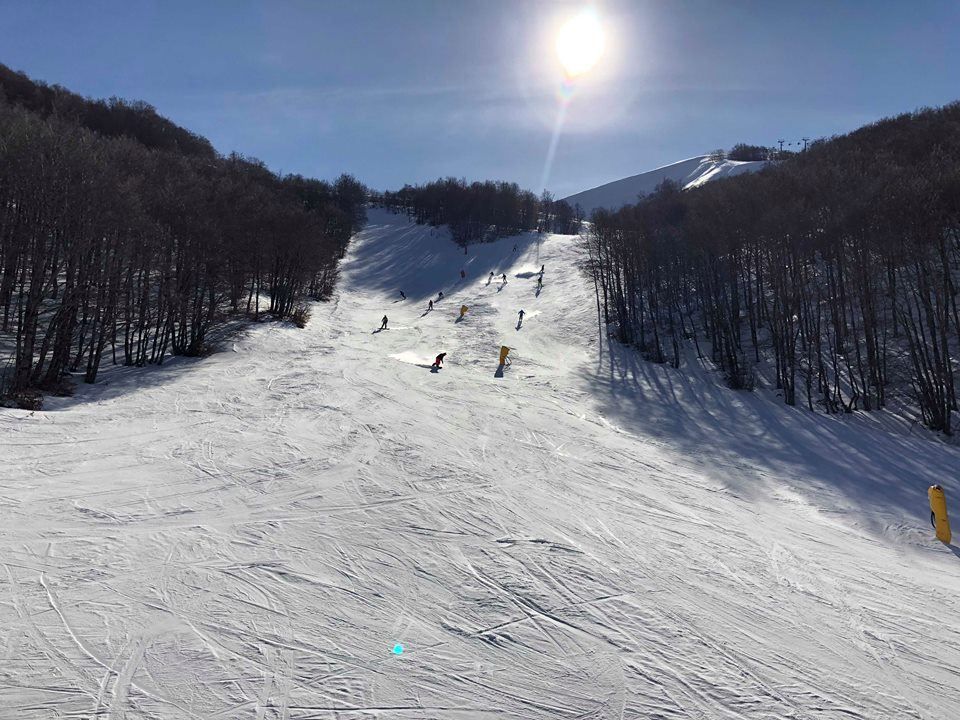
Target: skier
462,275
440,296
504,277
383,323
521,313
490,279
438,363
430,306
514,248
539,283
541,270
402,296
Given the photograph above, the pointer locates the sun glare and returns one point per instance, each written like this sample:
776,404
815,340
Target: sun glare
580,43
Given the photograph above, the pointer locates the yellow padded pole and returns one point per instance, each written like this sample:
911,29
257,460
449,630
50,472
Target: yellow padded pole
938,513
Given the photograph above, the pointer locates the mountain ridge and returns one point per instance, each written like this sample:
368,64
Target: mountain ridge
689,173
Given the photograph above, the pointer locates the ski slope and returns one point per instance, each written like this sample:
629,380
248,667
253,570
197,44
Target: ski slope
587,536
689,173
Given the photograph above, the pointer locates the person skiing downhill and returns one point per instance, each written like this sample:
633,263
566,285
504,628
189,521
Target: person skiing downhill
383,323
430,306
541,270
539,283
402,296
438,363
490,279
504,277
440,296
462,274
521,314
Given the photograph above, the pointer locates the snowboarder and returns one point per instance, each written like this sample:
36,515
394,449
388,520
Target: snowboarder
462,275
438,363
430,306
440,296
402,296
383,323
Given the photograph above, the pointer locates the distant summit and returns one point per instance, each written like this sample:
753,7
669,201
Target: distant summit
688,173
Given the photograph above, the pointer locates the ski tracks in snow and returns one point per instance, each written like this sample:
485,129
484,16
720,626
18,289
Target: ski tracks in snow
253,536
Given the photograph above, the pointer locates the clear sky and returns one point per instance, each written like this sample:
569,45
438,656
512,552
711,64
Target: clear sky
399,91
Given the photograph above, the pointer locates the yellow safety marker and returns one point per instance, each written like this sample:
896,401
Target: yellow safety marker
938,513
463,310
504,351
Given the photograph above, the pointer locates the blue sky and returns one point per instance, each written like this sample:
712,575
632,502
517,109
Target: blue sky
398,91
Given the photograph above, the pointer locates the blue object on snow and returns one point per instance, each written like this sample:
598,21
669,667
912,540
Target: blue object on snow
398,649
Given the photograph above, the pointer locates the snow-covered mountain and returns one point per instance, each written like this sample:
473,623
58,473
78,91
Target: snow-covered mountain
688,173
314,524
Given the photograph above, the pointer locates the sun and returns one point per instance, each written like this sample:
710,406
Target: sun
580,43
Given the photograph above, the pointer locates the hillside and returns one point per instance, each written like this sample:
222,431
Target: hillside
833,273
123,241
115,117
587,536
687,173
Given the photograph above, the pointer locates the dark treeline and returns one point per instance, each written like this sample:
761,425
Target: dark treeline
749,153
482,211
134,250
113,117
743,151
839,265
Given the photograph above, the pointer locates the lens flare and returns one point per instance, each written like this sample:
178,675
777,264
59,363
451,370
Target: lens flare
580,43
579,47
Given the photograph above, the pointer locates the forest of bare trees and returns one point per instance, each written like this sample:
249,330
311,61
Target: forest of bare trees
839,266
482,211
124,238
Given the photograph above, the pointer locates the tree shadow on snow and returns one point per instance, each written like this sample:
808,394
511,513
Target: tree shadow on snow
392,253
116,380
754,444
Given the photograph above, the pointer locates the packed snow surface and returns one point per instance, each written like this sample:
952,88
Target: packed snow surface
687,173
581,535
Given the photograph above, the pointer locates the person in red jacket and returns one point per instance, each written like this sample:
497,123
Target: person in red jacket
438,363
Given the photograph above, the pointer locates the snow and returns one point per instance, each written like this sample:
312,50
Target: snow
689,173
254,533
